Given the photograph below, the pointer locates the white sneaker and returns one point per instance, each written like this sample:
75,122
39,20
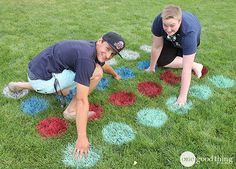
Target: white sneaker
11,92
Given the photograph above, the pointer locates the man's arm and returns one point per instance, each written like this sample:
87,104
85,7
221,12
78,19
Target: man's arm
82,108
185,78
157,45
109,70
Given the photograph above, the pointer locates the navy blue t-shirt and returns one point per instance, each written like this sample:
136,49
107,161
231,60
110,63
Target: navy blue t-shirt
186,38
78,56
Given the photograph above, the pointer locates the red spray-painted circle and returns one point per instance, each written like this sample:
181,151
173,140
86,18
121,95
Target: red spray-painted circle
52,127
170,78
97,109
122,98
150,89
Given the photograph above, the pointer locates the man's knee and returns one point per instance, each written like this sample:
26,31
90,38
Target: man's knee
98,73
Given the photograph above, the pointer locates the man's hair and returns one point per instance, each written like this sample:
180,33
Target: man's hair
172,11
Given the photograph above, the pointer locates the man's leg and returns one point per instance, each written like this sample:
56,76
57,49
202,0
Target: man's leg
65,92
70,111
95,79
17,86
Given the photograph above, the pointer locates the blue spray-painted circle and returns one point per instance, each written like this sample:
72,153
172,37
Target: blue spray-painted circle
69,97
118,133
202,92
152,117
94,155
125,73
173,107
34,105
102,85
142,65
221,81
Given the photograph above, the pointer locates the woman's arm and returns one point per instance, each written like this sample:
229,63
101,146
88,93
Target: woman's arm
185,78
157,45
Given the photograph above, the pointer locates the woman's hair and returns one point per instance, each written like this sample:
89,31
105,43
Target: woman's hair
172,11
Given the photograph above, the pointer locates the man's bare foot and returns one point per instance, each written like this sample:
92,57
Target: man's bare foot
14,87
197,68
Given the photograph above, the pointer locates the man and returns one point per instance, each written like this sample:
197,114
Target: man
68,63
176,36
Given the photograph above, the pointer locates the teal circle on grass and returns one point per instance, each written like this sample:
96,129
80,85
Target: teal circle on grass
173,107
94,155
152,117
221,81
202,92
117,133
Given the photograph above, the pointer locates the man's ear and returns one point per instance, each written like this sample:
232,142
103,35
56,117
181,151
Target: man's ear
100,41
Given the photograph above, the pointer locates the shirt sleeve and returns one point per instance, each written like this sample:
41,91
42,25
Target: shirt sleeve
157,28
84,71
189,43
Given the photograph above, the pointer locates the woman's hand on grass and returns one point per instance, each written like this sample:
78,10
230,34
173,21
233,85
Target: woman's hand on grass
81,147
181,101
149,69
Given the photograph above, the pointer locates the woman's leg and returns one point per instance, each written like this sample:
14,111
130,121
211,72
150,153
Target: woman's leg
197,68
172,57
178,63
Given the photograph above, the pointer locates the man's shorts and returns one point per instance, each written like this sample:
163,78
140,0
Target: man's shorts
65,79
168,53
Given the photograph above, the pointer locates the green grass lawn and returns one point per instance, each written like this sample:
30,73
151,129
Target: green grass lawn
208,129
